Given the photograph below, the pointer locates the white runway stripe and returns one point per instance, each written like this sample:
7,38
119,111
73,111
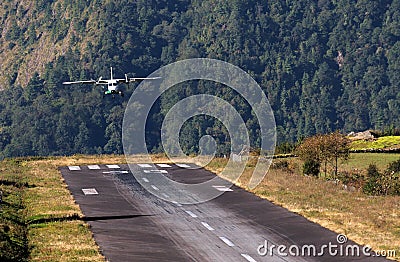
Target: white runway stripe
227,241
176,203
163,165
144,165
248,258
116,172
156,171
222,188
74,168
183,165
154,187
93,167
89,191
207,226
113,166
145,180
190,213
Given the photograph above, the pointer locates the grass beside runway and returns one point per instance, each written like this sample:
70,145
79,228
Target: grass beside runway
54,231
49,218
39,220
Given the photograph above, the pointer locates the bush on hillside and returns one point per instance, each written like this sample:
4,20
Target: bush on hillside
383,183
311,167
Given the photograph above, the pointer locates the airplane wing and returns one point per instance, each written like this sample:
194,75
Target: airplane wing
80,82
134,79
142,78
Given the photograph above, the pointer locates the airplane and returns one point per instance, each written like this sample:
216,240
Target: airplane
113,85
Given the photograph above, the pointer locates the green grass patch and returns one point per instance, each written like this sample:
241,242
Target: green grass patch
13,231
361,161
380,143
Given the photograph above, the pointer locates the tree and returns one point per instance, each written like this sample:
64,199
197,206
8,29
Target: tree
310,151
336,146
323,149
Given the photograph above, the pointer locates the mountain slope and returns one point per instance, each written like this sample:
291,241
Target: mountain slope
325,65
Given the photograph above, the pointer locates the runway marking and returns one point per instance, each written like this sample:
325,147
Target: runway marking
248,258
176,203
74,168
207,226
191,213
156,171
93,166
113,166
144,165
183,165
165,195
145,180
163,165
89,191
116,172
154,187
227,241
222,188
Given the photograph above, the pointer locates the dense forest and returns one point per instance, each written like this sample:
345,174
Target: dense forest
325,65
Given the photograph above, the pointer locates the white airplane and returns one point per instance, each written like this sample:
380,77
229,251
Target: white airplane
113,85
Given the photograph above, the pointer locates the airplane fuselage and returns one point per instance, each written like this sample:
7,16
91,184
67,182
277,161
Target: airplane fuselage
112,84
113,88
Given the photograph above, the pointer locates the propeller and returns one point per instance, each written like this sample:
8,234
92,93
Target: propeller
98,81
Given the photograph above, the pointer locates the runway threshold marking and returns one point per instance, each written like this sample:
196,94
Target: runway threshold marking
93,167
190,213
206,225
248,258
157,171
89,191
74,168
165,195
227,241
144,165
113,166
163,165
176,203
183,165
222,188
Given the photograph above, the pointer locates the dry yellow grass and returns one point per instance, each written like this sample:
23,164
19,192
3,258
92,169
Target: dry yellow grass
62,240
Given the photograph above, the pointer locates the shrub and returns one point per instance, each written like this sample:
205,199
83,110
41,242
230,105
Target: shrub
311,167
352,178
386,183
372,185
283,164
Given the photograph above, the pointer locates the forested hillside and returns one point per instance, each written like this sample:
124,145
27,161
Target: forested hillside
324,65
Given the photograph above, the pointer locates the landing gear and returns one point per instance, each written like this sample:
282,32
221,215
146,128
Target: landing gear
113,93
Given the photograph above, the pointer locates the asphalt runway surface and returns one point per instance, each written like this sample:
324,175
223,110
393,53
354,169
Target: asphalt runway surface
131,224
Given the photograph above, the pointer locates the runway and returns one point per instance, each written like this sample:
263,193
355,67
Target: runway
131,224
